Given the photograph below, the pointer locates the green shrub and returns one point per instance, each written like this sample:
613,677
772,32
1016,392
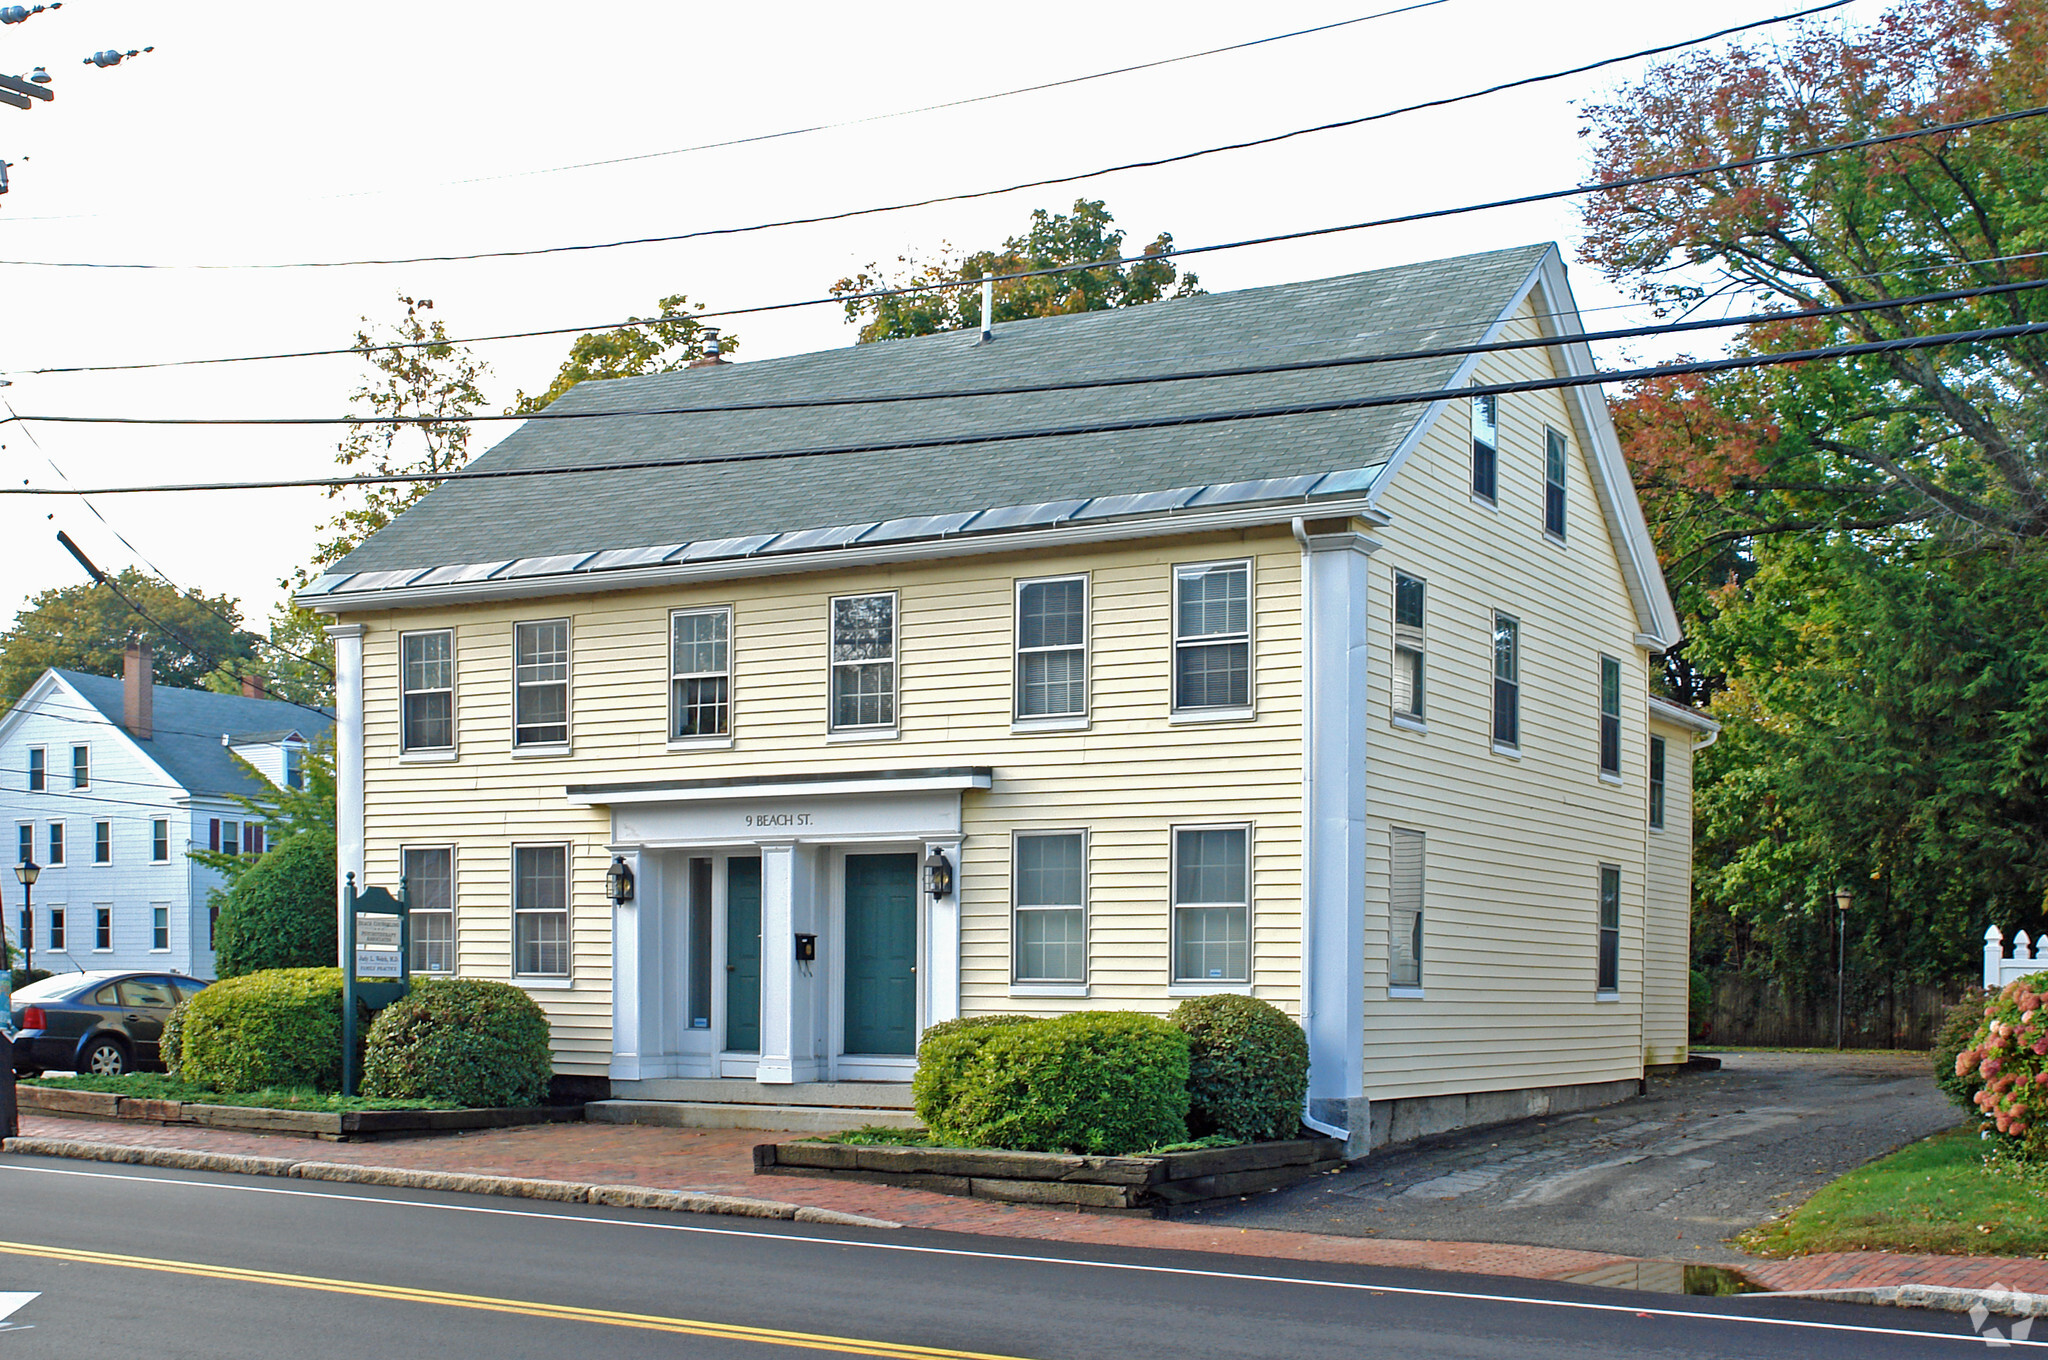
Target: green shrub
281,913
281,1027
1700,999
1104,1082
943,1054
171,1043
1247,1068
462,1040
1959,1028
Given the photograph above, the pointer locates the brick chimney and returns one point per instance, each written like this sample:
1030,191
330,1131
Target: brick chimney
138,691
253,687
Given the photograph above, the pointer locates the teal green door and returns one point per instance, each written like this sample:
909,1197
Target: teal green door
743,955
881,953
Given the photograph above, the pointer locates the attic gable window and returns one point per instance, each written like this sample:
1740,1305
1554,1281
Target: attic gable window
294,767
541,701
863,662
1610,717
700,674
81,767
1212,637
1553,483
1486,447
427,681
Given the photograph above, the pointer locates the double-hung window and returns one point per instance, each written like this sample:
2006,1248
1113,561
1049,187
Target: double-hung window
160,928
1610,717
56,844
540,700
1408,645
225,836
1212,637
160,841
81,767
57,929
1486,447
430,905
294,767
1610,929
1404,919
102,842
1212,904
1052,648
864,662
700,674
1507,681
540,910
102,928
27,847
1657,783
1051,907
427,682
1553,483
38,769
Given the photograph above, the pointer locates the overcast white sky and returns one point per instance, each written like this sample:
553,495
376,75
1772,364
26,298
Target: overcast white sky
282,132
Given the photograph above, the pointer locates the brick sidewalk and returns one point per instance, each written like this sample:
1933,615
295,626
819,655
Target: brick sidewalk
721,1161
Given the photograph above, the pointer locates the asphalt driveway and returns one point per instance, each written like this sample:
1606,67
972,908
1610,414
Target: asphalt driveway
1671,1174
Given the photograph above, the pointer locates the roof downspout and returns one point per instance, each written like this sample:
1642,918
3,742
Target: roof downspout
1308,783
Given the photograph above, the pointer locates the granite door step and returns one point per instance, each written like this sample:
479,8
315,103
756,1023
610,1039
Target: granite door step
334,1127
1143,1186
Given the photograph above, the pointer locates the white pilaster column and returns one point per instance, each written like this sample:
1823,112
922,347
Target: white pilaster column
1335,615
790,1005
941,999
348,765
636,996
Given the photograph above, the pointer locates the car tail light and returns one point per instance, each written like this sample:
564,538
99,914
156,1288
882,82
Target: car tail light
33,1018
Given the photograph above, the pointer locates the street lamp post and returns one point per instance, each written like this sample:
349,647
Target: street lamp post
28,871
1844,898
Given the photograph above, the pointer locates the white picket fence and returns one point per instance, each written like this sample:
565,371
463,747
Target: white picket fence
1999,970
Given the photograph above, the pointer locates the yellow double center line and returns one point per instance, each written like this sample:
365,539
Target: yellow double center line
520,1307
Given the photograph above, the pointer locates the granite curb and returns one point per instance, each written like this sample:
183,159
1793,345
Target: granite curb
1937,1297
518,1187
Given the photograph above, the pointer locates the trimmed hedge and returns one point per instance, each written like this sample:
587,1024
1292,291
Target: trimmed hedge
281,1027
1101,1082
281,913
1247,1068
462,1040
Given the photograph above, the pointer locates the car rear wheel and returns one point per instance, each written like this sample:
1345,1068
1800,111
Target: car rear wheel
105,1058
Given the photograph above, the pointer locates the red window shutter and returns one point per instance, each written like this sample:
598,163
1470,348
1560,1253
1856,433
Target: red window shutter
254,833
213,834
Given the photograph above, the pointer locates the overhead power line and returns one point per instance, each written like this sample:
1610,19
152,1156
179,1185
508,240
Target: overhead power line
1089,384
1900,344
847,214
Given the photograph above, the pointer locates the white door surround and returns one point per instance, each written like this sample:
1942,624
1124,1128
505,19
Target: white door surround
802,828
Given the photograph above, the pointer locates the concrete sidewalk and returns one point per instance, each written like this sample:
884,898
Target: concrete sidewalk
719,1162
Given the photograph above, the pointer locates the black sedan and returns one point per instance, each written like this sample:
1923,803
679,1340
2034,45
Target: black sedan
103,1023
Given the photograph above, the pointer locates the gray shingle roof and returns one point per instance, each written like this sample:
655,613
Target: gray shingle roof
539,526
189,723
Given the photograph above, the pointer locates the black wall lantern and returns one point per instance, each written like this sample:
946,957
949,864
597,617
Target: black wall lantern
938,874
618,882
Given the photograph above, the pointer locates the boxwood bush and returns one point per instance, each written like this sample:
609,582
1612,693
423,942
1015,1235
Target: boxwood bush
461,1040
1247,1068
280,913
1102,1082
281,1027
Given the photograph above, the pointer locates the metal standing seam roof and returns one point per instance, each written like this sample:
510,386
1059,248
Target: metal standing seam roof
189,724
576,523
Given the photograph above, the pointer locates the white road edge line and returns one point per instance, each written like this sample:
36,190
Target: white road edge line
1407,1291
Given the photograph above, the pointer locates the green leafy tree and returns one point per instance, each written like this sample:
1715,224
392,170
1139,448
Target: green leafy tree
88,627
284,813
417,374
671,340
280,913
1053,240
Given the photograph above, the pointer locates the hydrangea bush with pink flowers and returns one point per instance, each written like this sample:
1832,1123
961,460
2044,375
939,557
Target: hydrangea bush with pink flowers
2009,1053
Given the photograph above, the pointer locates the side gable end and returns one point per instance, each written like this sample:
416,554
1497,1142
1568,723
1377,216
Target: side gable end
51,683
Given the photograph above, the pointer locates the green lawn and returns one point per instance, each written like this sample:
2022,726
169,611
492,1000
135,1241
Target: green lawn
161,1086
1938,1195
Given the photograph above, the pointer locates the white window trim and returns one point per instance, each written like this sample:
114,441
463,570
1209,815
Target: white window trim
420,755
76,748
1233,712
865,731
532,749
714,741
97,947
1060,986
1201,986
1021,721
1608,776
1556,536
1600,869
55,912
61,843
27,771
1408,724
166,859
568,849
1397,992
1493,682
154,908
454,936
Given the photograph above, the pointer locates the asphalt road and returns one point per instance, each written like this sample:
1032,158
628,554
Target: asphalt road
1671,1174
110,1261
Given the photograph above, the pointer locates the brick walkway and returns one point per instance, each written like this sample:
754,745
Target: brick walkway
721,1161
